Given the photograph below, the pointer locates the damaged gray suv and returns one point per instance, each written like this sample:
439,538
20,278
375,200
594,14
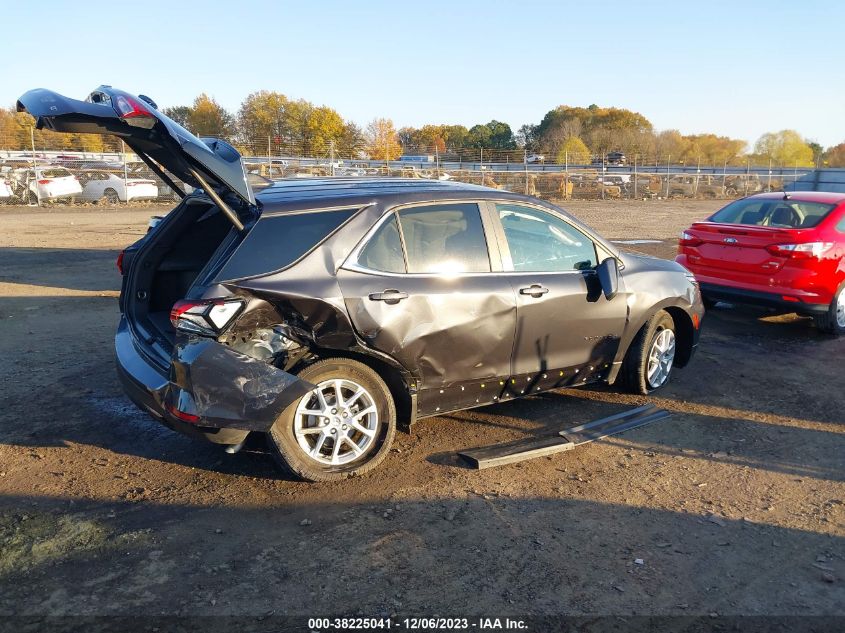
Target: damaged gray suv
324,313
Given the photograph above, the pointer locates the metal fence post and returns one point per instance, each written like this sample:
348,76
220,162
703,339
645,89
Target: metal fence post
635,176
668,159
125,174
525,160
34,167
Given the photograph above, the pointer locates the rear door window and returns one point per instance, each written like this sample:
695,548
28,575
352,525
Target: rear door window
278,241
384,250
444,238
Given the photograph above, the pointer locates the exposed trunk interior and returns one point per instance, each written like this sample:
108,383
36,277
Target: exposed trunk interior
167,267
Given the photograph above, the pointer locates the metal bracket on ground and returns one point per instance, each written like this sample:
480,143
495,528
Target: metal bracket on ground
566,440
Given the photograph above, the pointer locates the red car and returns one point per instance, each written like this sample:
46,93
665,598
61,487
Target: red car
780,250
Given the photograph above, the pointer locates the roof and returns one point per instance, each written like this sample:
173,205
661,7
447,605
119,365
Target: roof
299,189
825,197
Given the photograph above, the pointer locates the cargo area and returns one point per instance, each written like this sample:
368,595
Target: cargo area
177,254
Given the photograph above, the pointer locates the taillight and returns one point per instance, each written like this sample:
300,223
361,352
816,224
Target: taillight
132,111
127,107
806,250
182,415
688,239
44,182
119,261
208,318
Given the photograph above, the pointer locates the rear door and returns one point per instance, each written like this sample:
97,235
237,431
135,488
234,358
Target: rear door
565,325
147,131
425,289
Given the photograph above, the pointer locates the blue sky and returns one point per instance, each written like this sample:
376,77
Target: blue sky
734,68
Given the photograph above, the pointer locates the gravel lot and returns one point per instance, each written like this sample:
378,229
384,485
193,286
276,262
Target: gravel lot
734,505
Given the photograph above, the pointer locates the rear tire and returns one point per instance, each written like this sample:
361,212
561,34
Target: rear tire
650,359
110,196
304,438
833,321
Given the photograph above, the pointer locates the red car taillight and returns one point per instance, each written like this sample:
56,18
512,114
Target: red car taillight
806,250
128,108
208,318
44,182
688,239
119,262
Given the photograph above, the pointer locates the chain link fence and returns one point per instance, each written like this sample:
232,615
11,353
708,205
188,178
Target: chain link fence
113,176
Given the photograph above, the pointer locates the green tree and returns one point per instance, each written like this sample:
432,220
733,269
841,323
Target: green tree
785,148
573,151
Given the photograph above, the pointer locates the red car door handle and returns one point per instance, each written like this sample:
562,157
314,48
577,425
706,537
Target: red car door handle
535,290
389,296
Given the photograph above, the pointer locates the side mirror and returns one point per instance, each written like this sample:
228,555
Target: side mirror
608,272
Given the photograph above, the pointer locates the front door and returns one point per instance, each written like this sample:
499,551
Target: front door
565,325
422,290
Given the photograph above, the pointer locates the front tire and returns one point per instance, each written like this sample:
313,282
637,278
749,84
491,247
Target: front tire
341,429
833,321
650,359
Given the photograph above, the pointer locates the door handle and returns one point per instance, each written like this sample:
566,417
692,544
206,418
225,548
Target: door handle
391,296
535,290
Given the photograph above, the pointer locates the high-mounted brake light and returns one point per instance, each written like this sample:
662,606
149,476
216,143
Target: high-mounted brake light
806,250
208,318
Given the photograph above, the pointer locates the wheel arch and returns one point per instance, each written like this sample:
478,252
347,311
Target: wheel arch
402,391
684,333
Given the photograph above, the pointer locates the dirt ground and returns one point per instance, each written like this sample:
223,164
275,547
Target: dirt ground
734,505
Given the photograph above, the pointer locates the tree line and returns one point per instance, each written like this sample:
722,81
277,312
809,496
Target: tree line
271,122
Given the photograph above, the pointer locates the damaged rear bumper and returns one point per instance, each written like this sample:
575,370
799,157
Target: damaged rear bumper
226,394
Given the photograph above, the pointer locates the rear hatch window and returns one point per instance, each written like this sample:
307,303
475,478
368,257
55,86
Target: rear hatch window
278,241
779,213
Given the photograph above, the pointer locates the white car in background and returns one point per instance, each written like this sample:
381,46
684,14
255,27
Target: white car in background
111,188
45,184
6,190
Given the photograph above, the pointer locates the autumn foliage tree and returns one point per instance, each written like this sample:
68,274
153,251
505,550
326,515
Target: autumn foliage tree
835,156
786,147
208,118
382,140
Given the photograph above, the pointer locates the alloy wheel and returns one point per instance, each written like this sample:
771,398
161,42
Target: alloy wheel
660,358
336,423
840,309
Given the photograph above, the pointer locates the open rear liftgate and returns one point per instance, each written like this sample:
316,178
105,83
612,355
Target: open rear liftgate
566,440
